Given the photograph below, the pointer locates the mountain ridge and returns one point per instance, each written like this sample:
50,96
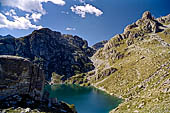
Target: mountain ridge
45,47
7,36
134,66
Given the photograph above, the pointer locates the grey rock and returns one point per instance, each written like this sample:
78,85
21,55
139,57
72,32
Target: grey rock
99,45
147,15
52,52
20,76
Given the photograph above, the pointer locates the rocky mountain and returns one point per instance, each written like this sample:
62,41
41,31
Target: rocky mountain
99,45
135,66
7,36
22,88
52,51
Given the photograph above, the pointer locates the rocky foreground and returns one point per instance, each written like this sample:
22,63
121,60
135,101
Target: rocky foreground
21,88
135,66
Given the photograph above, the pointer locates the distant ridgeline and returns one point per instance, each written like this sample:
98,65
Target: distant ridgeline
52,51
7,36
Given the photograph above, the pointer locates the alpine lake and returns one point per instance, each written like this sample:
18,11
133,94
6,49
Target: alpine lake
85,99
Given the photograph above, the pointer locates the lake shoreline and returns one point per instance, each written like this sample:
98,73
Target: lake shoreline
102,101
111,94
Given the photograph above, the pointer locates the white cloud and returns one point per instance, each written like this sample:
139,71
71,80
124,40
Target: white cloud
34,11
82,1
30,5
36,16
17,23
82,10
70,29
10,13
57,2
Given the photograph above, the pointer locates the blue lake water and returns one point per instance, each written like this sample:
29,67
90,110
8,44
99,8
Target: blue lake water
86,99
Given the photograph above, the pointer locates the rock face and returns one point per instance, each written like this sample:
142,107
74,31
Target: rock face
19,76
99,45
164,19
52,51
22,88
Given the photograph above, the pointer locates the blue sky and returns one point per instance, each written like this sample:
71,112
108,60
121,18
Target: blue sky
93,20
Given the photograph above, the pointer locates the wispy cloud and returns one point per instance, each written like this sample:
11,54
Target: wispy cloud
70,29
82,10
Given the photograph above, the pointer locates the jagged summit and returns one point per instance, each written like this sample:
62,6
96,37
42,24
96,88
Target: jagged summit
146,24
147,15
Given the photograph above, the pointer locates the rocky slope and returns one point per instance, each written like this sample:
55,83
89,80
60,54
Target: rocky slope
21,88
54,52
135,66
99,45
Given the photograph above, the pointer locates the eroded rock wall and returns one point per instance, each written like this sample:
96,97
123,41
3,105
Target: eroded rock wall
19,76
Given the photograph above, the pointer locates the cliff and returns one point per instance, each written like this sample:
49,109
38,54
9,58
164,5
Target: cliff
65,55
19,76
21,88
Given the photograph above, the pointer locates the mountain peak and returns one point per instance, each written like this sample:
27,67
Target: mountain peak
43,30
147,15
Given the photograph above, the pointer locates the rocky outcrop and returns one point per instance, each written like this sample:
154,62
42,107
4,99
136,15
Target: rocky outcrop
19,76
164,19
52,51
146,24
22,88
99,45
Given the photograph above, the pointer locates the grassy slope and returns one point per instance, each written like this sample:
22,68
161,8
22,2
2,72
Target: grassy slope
140,77
143,70
143,75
